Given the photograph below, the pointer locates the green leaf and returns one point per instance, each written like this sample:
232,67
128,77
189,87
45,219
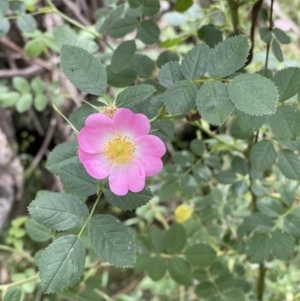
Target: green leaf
194,63
58,211
184,158
27,23
151,7
34,48
122,56
262,155
83,70
168,190
180,98
9,99
292,225
197,147
285,123
258,248
164,129
123,78
156,267
76,180
62,263
166,57
4,7
281,36
269,206
129,201
133,96
142,65
277,50
250,123
233,295
180,271
4,27
88,295
148,32
17,7
79,116
134,3
183,5
288,81
253,94
239,165
228,57
188,185
169,74
172,42
21,85
210,35
226,177
213,102
36,231
13,294
156,237
265,34
63,154
202,173
24,103
112,241
200,255
205,289
64,35
175,239
40,102
121,27
259,222
289,164
287,194
282,245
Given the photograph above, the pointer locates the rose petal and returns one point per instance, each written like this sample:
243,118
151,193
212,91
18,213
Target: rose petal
97,131
129,123
95,164
150,149
127,177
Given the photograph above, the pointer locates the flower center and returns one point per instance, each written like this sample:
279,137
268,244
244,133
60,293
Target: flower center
119,150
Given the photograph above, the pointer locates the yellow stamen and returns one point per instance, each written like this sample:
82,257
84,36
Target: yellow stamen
109,110
119,150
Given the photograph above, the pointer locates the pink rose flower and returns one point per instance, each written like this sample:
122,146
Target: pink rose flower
120,148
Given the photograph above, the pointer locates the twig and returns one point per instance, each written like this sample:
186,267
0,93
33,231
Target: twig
74,8
42,149
261,282
36,122
28,72
5,41
18,283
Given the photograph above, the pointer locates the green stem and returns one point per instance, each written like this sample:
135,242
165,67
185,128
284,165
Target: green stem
91,213
104,296
18,283
261,282
16,251
234,7
158,215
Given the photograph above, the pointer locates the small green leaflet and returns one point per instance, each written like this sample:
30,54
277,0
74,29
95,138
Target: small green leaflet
122,56
175,239
58,211
13,294
83,70
277,50
112,241
129,201
180,271
194,63
121,27
285,123
133,96
282,245
180,98
151,7
228,56
289,164
156,267
213,102
262,155
169,74
63,154
258,248
36,231
253,94
288,82
200,255
27,23
62,263
76,180
148,32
